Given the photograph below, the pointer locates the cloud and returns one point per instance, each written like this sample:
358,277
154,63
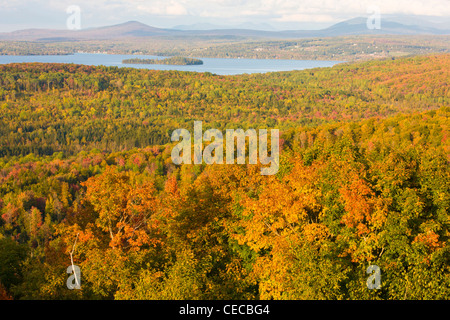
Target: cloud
41,12
305,18
315,10
163,8
176,9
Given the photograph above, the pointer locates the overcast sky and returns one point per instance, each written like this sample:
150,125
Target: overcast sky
281,14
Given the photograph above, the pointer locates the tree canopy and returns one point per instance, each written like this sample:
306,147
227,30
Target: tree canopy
364,180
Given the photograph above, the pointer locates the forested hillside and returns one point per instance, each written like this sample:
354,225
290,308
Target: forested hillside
48,108
364,179
337,48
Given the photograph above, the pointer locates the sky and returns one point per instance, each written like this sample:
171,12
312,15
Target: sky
278,14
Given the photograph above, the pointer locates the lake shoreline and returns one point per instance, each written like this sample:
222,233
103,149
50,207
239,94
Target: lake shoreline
219,66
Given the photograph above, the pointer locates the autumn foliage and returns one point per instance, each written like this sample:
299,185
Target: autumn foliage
370,189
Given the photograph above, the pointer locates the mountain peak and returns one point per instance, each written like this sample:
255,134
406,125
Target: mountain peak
136,29
129,29
133,23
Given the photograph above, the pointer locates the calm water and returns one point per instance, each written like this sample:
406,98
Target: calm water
213,65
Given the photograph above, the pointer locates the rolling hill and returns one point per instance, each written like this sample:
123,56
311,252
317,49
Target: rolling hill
135,29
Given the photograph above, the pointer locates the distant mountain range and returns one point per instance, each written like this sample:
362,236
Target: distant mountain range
210,26
422,21
135,29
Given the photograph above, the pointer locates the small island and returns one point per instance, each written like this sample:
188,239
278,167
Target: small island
179,61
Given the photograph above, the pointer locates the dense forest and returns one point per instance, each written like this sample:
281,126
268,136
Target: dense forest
364,179
341,48
180,61
48,108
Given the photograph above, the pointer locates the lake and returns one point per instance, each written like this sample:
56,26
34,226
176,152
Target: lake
213,65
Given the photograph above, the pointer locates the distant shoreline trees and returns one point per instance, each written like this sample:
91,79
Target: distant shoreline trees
179,61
